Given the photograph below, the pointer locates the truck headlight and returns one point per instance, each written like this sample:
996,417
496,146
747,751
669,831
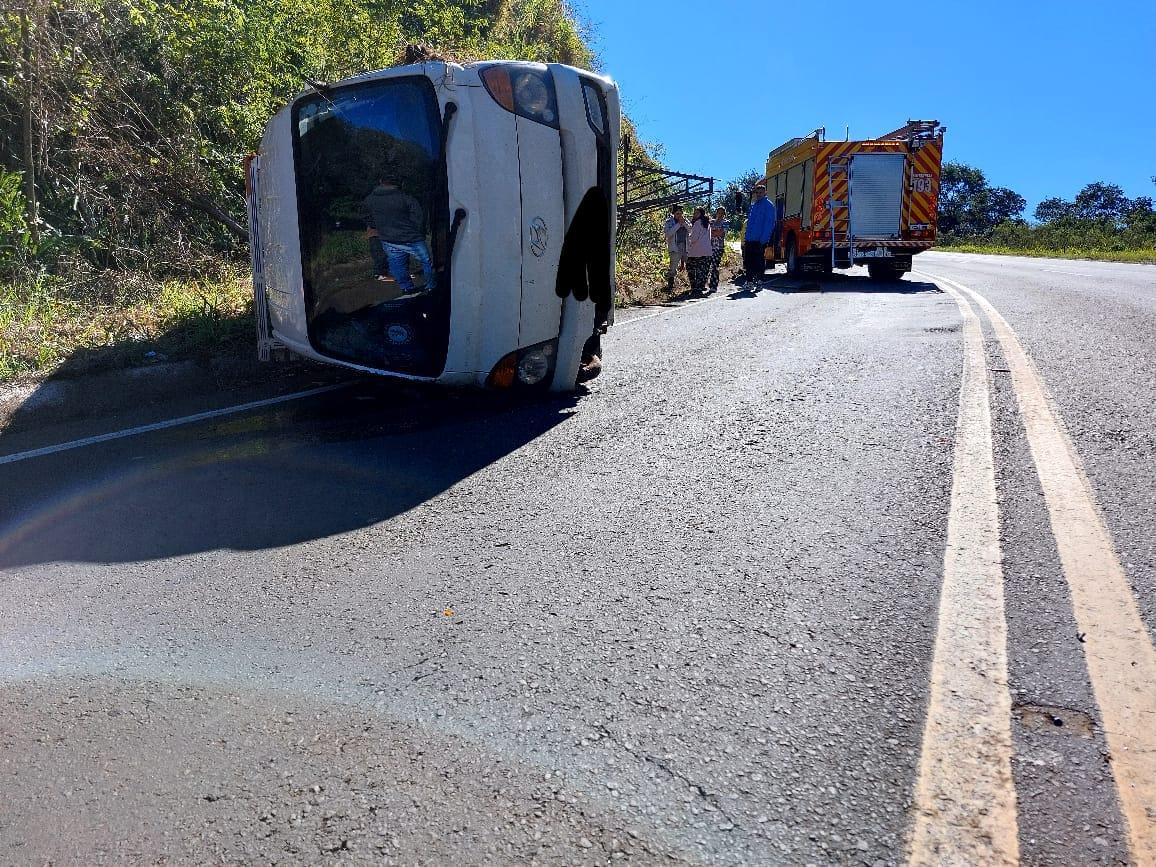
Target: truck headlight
524,91
528,367
535,364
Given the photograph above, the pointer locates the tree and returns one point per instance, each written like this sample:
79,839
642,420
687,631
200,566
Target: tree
959,186
1102,203
744,183
1141,217
969,207
1002,204
129,138
1053,209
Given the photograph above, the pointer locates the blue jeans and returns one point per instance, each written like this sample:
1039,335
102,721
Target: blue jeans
398,255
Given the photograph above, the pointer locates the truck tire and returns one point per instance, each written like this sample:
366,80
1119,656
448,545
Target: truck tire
794,266
881,271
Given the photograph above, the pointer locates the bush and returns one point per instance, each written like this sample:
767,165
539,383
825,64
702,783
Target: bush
15,238
642,260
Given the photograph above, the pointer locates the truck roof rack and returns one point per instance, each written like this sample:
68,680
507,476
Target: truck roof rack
915,130
819,134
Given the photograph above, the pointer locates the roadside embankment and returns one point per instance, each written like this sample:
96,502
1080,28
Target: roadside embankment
61,399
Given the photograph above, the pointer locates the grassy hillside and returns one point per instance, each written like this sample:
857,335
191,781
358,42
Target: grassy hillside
140,112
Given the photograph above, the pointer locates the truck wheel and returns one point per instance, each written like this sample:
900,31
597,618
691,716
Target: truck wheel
881,271
794,268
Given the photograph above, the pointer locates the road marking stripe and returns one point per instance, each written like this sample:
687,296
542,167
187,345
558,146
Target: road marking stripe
965,796
1070,273
679,308
1119,652
162,425
229,410
633,319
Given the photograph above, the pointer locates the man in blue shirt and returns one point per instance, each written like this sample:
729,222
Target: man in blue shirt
760,225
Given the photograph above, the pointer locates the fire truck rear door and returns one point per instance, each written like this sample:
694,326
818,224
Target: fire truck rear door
876,194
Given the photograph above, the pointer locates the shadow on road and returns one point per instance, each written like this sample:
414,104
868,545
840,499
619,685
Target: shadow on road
833,283
302,471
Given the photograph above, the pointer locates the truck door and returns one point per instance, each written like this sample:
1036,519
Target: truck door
876,195
543,228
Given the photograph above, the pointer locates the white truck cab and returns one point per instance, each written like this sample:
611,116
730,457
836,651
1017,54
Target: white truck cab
510,168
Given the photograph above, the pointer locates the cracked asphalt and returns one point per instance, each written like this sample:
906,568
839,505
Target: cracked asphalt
686,617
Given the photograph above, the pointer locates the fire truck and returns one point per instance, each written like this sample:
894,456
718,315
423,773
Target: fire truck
844,203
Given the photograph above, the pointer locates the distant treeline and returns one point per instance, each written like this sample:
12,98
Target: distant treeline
1100,218
123,123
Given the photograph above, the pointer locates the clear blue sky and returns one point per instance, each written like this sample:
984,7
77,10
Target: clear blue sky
1043,97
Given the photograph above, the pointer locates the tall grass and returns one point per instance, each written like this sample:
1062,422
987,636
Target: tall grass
1139,256
46,321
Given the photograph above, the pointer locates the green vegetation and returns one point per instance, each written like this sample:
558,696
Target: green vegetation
641,261
140,112
96,323
1100,223
975,217
1139,256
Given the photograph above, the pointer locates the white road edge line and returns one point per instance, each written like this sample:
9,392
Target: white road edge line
1117,647
965,800
1071,273
676,309
168,423
232,410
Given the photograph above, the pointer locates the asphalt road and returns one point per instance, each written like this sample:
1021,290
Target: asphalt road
688,617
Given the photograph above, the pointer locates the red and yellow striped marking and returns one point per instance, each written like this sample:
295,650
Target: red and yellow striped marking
921,184
923,204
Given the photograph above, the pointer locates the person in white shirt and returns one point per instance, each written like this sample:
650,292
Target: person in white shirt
675,229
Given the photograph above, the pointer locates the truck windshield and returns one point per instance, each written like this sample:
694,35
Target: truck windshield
371,204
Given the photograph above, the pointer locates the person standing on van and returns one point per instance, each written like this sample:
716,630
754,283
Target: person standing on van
698,251
718,242
380,264
675,229
400,223
760,225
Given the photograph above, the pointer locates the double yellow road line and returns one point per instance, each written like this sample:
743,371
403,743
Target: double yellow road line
965,795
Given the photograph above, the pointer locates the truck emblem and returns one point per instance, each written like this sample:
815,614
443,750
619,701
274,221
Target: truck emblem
539,236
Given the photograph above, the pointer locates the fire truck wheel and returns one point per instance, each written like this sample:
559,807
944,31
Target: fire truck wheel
882,271
794,267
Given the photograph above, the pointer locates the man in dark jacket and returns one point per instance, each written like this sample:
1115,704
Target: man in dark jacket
400,224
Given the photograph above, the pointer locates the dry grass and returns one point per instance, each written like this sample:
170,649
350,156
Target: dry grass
641,267
92,322
1142,256
48,324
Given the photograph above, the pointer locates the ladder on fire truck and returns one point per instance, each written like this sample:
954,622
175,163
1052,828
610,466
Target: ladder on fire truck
834,207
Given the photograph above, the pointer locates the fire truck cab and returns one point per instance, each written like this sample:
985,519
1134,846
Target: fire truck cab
845,203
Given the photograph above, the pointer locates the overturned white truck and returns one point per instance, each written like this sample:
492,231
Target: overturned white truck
494,187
